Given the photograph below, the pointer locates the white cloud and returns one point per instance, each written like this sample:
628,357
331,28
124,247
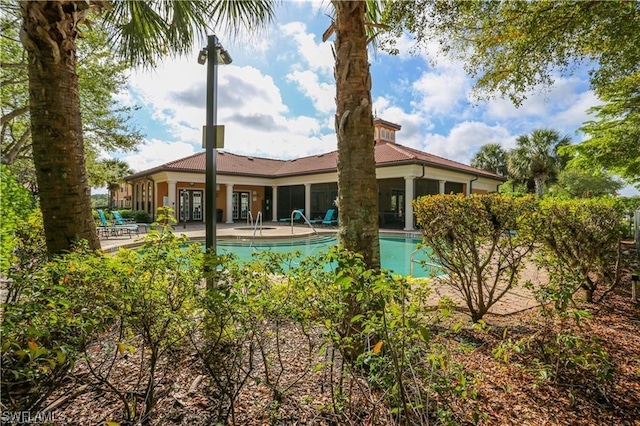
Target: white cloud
561,107
441,92
321,94
250,105
156,152
317,56
428,97
465,139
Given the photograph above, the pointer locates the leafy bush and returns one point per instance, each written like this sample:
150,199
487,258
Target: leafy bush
59,311
627,206
580,245
16,205
127,214
29,254
140,216
386,337
155,287
480,240
557,352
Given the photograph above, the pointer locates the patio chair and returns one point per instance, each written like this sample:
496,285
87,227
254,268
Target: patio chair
296,217
331,221
108,230
118,218
120,221
327,217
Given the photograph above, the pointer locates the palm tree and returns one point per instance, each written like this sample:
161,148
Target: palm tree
491,157
142,32
357,185
111,173
536,157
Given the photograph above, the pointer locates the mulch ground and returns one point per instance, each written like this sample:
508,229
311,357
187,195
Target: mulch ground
298,393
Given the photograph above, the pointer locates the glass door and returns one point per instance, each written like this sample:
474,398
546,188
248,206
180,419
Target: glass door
234,204
397,202
185,210
241,205
244,204
190,205
196,202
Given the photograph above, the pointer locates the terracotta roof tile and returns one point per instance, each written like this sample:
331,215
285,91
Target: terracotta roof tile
386,154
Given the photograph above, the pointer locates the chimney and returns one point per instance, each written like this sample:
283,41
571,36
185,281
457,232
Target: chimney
385,131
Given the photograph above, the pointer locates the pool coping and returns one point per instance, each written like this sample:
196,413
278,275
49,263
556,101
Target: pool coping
231,232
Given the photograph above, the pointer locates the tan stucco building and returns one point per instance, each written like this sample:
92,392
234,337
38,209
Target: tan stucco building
248,185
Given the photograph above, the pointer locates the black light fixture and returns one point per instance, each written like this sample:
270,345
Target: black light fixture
202,57
223,56
212,55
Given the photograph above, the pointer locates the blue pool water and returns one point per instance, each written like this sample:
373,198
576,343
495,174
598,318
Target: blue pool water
395,251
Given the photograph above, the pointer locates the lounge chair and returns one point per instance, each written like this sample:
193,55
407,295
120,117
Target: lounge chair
297,216
118,218
331,221
120,221
327,217
108,230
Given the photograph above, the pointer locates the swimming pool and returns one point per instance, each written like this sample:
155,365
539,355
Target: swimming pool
395,251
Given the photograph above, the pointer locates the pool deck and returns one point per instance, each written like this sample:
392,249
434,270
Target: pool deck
516,300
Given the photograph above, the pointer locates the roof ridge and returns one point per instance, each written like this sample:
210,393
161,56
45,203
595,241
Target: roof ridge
417,154
252,156
180,159
402,149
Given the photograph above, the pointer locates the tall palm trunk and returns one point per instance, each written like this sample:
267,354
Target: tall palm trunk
357,186
538,181
49,34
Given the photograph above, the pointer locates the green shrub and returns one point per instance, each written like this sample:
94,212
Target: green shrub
387,338
155,287
16,205
127,214
481,241
29,254
580,246
60,310
559,353
140,216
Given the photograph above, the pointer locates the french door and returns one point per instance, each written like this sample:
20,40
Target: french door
241,204
190,205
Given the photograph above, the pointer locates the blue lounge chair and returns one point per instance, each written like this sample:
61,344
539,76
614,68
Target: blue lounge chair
106,229
296,217
118,218
121,222
331,221
327,217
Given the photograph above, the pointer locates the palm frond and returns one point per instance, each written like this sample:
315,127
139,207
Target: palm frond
144,31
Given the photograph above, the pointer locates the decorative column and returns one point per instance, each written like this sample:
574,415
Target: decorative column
274,204
229,203
307,200
408,198
172,196
155,201
441,186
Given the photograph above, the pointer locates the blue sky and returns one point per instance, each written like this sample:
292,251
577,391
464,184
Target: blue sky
276,99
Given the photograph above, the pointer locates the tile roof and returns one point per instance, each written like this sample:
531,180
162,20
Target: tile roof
386,154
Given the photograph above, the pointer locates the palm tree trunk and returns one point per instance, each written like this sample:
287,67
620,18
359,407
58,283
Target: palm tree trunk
538,181
357,186
49,33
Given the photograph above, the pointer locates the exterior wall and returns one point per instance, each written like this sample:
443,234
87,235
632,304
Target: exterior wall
317,188
163,191
256,197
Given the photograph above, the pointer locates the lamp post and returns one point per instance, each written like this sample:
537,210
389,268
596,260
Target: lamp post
213,55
